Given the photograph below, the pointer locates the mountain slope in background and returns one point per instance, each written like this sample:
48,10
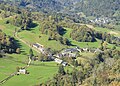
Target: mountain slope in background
96,8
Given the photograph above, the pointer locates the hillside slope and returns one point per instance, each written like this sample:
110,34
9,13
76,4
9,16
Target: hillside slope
88,7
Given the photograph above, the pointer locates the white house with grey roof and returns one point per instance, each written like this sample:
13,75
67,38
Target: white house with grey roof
22,71
58,60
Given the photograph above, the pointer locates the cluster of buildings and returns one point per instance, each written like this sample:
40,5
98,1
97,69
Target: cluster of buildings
39,47
42,50
70,52
101,20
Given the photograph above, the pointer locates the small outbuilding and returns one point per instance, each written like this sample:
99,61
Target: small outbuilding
22,71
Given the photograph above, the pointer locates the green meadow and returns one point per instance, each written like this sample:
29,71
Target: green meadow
39,71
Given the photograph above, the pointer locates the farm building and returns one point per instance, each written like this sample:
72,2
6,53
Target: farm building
37,45
22,71
58,60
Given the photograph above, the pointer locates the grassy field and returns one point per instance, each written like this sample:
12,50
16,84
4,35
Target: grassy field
113,32
33,37
8,65
39,71
84,44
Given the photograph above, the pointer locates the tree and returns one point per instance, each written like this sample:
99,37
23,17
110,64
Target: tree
75,63
17,69
61,70
31,53
104,36
94,82
83,34
113,48
80,76
74,77
109,39
0,45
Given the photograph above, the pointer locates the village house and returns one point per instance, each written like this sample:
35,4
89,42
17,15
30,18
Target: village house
98,50
37,45
71,52
22,71
58,60
85,49
59,55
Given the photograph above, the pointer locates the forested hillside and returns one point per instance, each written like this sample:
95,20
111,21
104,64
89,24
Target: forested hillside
97,7
88,7
108,10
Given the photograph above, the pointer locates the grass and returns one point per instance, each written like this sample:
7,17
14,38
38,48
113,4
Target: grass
38,74
8,66
113,32
39,71
117,27
7,28
32,36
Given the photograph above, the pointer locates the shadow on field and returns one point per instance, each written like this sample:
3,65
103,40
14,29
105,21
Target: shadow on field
32,26
70,44
18,45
